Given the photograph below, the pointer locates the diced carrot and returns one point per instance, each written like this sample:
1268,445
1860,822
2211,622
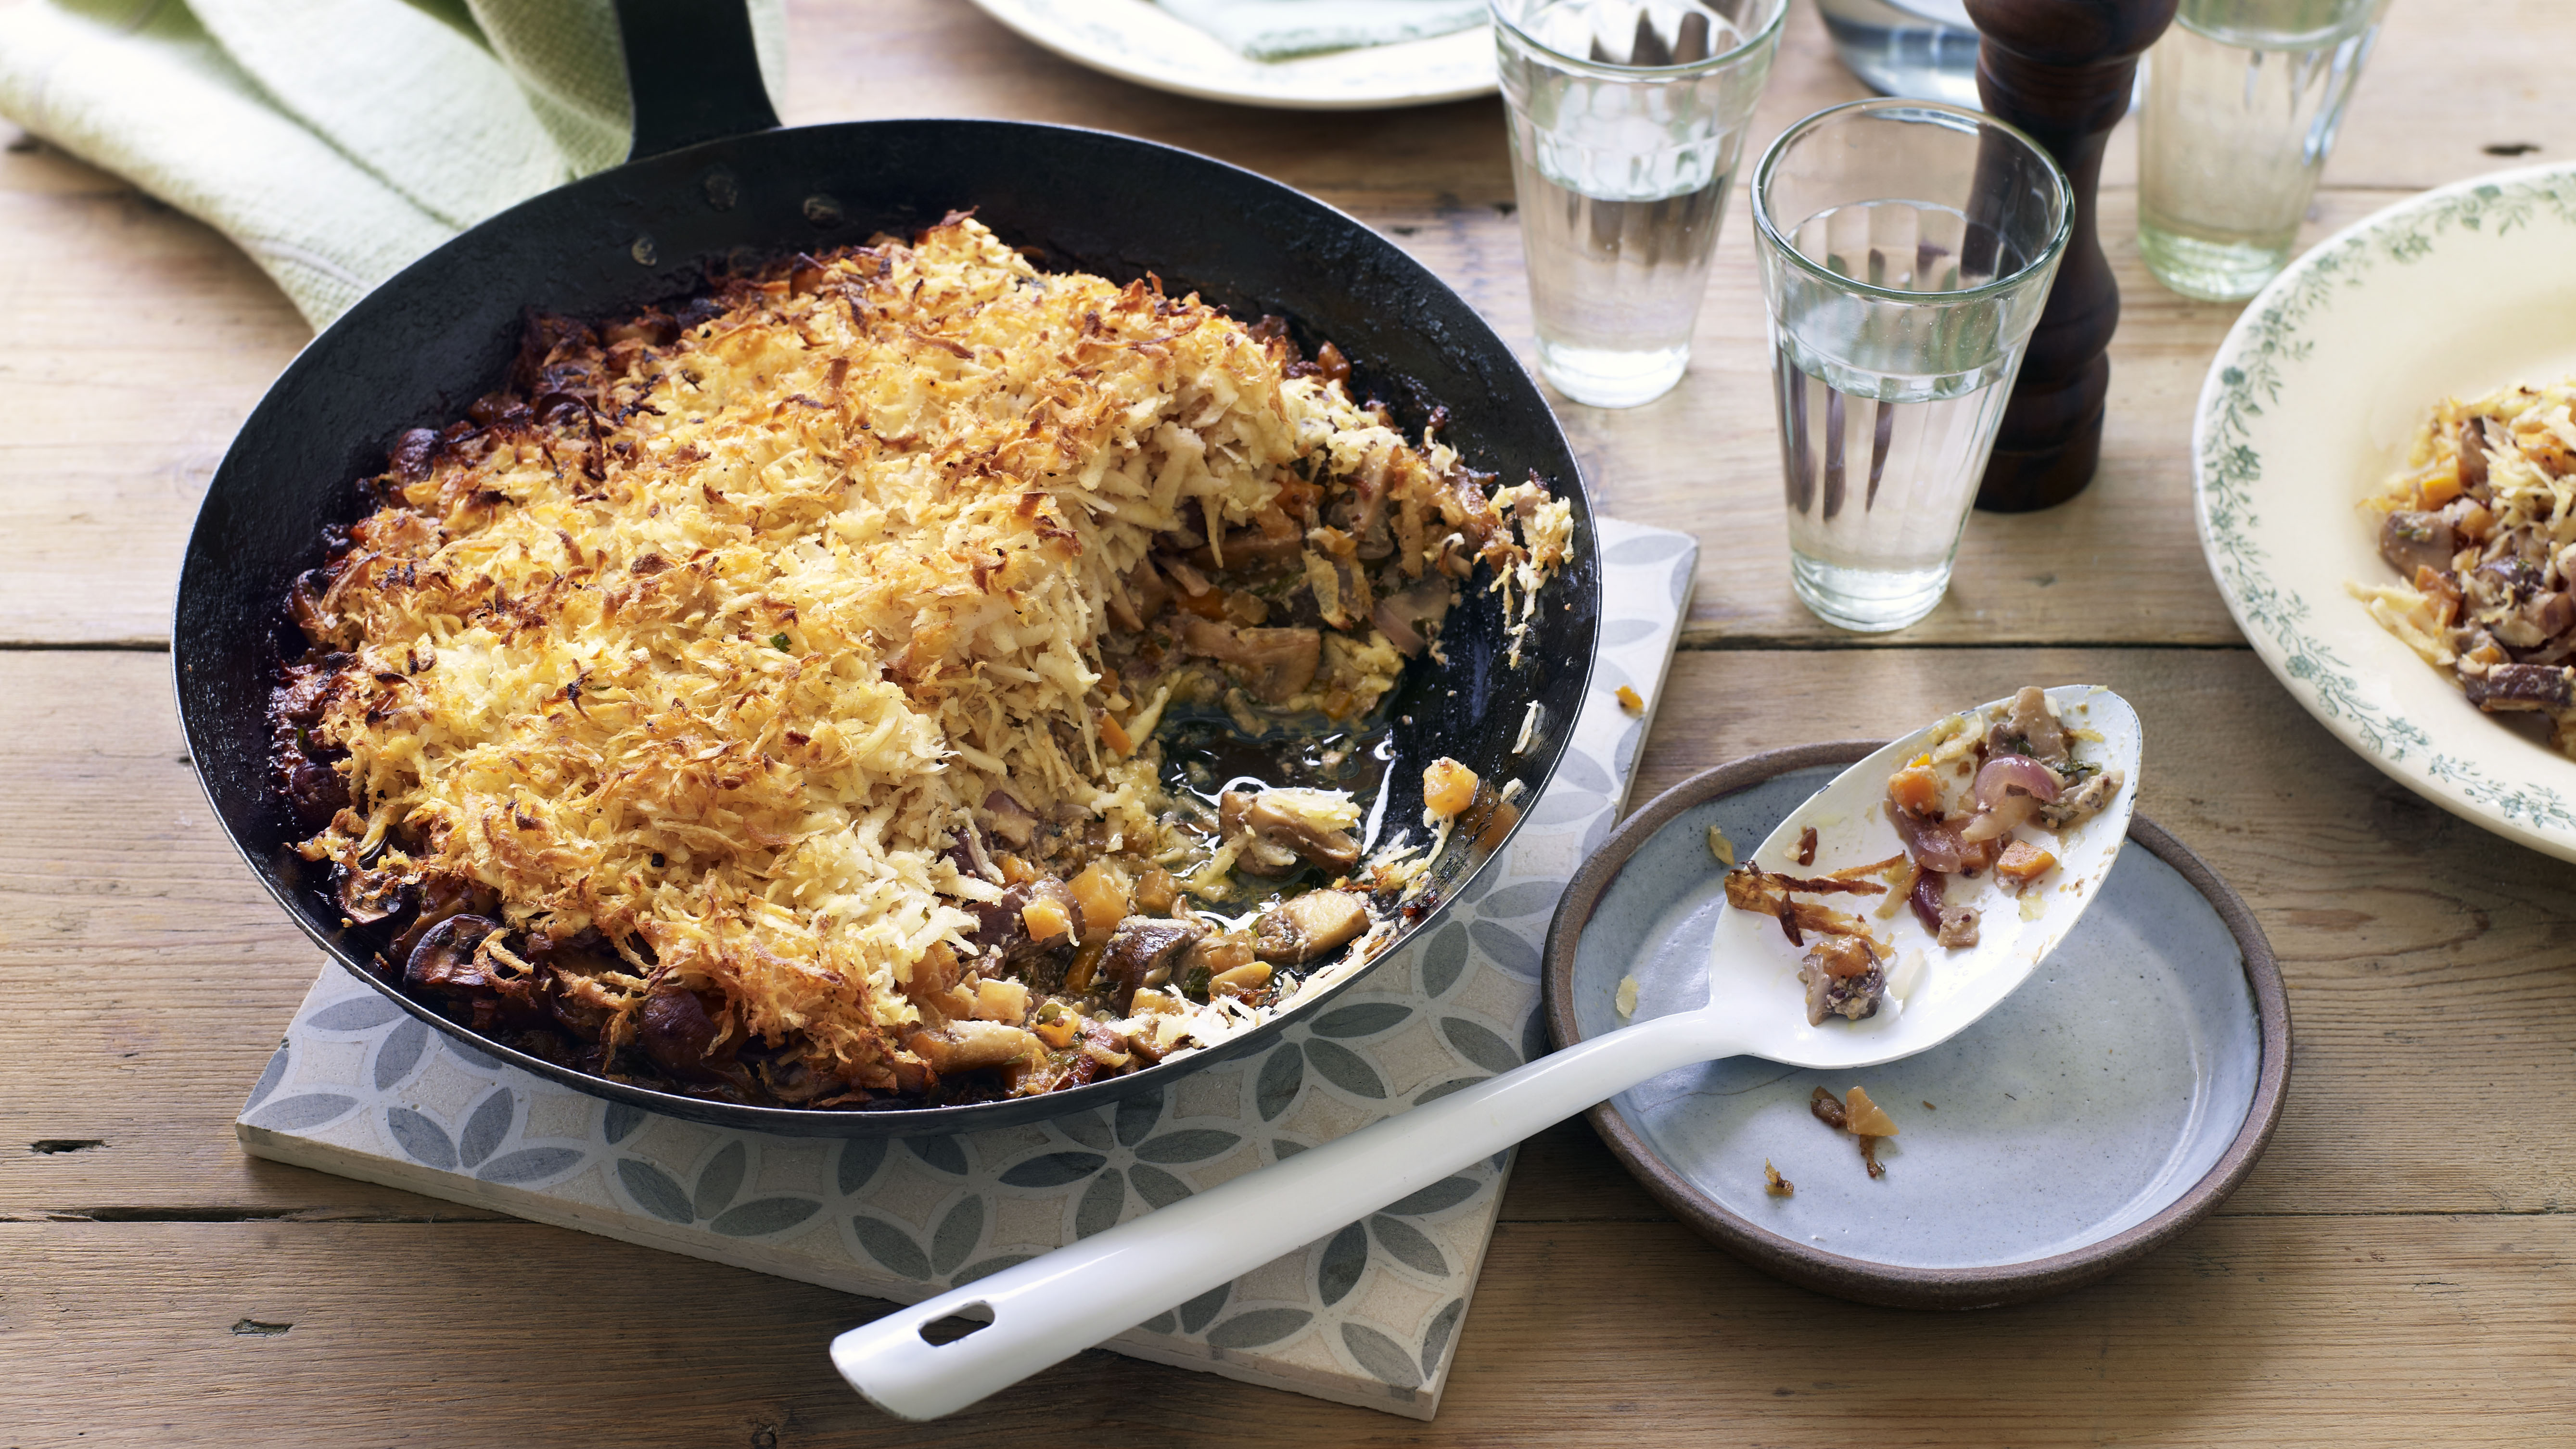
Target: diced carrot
2436,489
1447,787
1115,736
1056,1026
1045,918
2024,862
1101,894
1916,790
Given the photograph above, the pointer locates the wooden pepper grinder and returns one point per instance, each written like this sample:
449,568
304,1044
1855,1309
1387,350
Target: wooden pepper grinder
2062,70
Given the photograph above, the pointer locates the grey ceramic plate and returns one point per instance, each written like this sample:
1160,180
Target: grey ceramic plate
2111,1102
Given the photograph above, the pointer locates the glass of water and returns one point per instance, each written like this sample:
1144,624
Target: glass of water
2243,98
1907,248
1627,121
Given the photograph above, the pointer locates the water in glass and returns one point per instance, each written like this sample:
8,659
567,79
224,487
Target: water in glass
1622,182
1883,439
2243,99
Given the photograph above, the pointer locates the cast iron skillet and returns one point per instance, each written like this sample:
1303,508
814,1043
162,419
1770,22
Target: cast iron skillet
712,179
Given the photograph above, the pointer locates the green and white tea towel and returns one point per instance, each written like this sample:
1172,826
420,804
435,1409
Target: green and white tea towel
333,140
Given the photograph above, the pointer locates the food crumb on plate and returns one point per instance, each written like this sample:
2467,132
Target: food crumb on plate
1721,847
1626,1001
1631,701
1773,1183
1859,1116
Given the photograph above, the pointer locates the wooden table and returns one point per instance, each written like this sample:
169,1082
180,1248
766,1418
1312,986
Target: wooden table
2399,1270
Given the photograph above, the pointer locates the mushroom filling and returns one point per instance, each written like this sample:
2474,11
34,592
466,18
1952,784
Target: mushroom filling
2478,529
1958,808
892,678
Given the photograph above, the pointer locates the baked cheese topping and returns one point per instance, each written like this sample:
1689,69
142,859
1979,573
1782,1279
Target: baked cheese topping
710,641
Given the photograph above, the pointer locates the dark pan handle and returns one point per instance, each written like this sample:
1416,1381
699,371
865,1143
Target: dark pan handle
693,73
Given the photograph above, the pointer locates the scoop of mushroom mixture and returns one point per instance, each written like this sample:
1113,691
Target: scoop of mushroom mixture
1958,808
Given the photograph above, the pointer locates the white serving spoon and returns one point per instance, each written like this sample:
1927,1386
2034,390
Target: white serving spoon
1054,1306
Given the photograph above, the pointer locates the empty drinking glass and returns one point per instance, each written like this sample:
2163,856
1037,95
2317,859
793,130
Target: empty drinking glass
2243,98
1907,248
1627,122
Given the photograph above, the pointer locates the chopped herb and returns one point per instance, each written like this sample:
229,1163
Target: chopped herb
779,643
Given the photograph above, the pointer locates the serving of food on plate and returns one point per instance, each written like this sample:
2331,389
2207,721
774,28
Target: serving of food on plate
2480,528
892,677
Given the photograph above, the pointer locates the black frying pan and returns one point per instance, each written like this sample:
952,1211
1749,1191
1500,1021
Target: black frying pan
712,178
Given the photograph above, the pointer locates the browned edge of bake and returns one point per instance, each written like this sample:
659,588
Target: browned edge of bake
1880,1283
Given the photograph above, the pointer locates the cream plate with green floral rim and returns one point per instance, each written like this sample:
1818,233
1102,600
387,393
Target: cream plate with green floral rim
2314,400
1139,41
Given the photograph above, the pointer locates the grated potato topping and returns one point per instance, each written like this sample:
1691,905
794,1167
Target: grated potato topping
717,653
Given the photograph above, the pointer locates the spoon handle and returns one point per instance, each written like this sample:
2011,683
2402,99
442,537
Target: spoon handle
1052,1307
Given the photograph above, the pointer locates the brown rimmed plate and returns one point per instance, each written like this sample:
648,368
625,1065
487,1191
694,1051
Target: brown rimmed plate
2114,1100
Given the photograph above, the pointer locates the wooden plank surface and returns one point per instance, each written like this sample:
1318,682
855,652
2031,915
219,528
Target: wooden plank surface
103,473
2358,1333
2432,992
2397,1270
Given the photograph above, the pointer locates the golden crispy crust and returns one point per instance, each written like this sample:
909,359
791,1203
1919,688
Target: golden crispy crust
705,643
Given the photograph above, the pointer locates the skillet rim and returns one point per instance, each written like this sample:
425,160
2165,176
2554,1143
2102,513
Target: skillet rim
1581,573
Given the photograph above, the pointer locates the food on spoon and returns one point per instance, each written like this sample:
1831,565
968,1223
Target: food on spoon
2480,529
768,698
2022,772
1845,976
1844,972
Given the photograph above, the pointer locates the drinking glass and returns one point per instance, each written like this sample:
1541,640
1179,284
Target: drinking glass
1907,248
1627,122
2243,98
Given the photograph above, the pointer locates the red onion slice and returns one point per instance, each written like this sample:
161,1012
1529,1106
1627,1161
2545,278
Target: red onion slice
2006,773
2008,815
1934,844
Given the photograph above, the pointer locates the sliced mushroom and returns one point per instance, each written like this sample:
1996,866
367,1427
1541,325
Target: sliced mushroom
367,897
1409,618
1010,820
442,897
1002,930
1844,978
2074,807
1309,927
446,960
1277,829
2520,686
2551,613
2411,540
965,1046
1140,947
682,1037
1275,664
2473,457
2028,728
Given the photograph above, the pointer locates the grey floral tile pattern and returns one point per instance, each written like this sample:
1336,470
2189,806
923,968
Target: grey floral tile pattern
1368,1315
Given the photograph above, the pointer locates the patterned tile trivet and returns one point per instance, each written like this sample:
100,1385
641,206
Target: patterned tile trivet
1365,1316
